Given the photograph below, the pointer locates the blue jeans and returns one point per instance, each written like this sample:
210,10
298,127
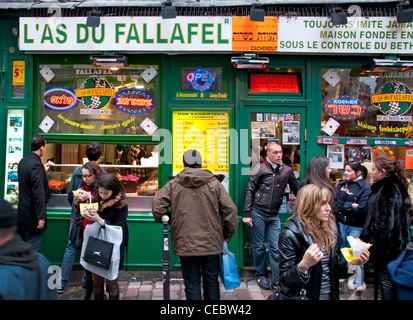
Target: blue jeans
68,260
196,266
355,232
33,239
269,226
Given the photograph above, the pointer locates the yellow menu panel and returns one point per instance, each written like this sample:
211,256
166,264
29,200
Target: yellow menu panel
206,132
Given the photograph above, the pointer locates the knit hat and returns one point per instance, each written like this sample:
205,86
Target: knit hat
192,159
8,215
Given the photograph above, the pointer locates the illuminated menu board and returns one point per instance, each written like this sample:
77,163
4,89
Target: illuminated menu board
206,132
276,83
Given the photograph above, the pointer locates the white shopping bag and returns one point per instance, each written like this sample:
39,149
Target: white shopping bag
112,234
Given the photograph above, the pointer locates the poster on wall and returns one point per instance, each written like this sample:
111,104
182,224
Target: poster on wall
206,132
262,130
291,132
335,154
360,154
14,153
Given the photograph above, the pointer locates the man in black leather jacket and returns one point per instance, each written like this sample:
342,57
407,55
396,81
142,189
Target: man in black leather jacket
263,200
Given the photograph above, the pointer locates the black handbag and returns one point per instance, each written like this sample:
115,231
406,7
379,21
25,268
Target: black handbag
277,295
76,234
98,252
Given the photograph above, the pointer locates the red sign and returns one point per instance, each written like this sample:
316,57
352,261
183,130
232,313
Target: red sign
59,99
134,101
281,83
344,108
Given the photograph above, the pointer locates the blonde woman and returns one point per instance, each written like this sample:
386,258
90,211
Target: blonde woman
309,252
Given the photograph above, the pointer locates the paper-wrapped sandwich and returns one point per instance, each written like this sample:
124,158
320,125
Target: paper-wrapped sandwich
357,247
88,208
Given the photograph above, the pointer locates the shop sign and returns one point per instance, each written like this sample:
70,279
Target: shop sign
356,141
133,101
394,118
393,98
408,143
18,72
327,141
95,92
59,99
217,34
200,80
385,142
344,108
274,83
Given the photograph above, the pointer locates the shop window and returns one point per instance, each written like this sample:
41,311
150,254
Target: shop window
136,167
359,104
367,104
275,81
85,100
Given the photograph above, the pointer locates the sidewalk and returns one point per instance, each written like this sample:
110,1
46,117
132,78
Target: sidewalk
136,285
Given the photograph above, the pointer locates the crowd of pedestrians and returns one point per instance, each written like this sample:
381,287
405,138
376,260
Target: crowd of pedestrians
305,257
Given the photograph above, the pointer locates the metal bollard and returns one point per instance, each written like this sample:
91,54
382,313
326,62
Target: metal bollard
165,260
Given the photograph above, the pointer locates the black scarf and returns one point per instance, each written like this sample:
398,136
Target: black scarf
16,252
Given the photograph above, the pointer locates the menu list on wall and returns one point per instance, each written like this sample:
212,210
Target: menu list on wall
206,132
14,152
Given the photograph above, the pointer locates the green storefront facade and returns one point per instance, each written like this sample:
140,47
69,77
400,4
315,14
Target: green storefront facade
290,101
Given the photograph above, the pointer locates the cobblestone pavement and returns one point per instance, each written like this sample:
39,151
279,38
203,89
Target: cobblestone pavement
133,287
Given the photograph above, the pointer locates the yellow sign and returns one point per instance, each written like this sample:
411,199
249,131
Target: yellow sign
206,132
18,72
106,92
250,35
390,97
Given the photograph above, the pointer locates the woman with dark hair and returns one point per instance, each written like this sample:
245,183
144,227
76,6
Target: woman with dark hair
318,172
350,208
387,225
113,209
350,201
309,251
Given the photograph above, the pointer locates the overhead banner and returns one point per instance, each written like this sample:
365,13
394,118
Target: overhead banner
218,34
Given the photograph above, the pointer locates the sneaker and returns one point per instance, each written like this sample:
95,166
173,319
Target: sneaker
263,283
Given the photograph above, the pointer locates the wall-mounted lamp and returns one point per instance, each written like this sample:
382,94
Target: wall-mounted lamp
338,16
250,61
404,13
168,11
257,13
389,64
109,60
93,19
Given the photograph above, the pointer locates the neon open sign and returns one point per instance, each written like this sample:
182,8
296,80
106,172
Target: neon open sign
134,101
201,79
344,108
59,99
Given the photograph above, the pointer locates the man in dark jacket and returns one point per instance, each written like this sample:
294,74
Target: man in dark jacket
24,272
263,200
198,203
34,193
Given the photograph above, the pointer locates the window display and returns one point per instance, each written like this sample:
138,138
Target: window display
89,100
373,110
368,104
136,167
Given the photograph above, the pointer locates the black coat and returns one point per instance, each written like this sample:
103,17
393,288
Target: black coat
293,243
387,225
342,206
118,217
265,189
34,193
